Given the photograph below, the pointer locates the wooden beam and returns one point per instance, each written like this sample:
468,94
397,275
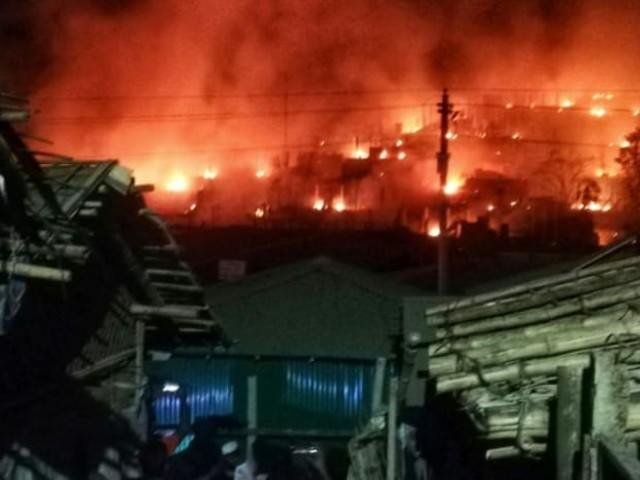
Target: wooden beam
610,398
252,409
168,273
568,422
392,435
77,252
35,271
172,311
177,287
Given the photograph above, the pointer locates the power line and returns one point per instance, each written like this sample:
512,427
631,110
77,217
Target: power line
218,116
320,93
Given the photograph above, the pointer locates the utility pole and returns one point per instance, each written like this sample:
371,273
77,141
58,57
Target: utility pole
285,133
444,109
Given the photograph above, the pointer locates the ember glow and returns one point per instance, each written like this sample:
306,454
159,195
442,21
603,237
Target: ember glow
339,205
177,183
318,204
434,232
452,187
210,174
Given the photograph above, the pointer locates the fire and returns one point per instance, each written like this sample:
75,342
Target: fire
318,204
399,142
360,153
262,173
434,232
383,154
597,112
509,106
635,112
178,183
259,213
339,205
566,103
491,207
451,135
516,136
452,187
210,174
402,155
592,206
625,144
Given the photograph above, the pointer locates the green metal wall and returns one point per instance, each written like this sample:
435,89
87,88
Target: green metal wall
293,394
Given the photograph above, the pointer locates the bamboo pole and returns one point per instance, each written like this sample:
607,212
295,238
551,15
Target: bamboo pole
595,300
537,298
527,288
601,317
545,345
525,369
513,451
173,311
21,269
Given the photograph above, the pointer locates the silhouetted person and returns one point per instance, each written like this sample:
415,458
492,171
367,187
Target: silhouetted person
153,459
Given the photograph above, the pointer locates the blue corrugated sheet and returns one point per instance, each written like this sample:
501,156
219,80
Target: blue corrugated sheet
333,388
208,391
292,394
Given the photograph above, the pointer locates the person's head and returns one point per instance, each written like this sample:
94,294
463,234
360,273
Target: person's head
231,453
153,457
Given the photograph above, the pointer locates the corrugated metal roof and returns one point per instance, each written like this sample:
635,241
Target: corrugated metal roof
318,308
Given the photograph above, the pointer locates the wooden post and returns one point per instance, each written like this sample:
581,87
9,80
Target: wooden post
610,398
392,422
378,385
252,410
568,421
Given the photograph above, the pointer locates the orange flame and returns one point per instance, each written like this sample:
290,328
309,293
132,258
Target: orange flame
178,183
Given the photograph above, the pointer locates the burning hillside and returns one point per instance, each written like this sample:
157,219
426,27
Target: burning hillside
274,101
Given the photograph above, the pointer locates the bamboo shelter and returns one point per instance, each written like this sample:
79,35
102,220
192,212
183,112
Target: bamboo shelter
549,364
91,283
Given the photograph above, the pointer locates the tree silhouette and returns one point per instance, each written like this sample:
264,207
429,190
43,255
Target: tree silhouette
629,161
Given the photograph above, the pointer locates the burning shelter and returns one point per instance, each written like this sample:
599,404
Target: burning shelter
91,281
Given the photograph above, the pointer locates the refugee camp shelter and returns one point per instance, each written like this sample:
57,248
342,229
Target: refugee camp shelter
83,295
546,369
316,339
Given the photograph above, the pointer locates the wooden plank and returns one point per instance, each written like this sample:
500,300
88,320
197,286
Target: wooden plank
35,271
392,428
177,287
378,384
172,311
168,273
610,398
252,410
568,422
